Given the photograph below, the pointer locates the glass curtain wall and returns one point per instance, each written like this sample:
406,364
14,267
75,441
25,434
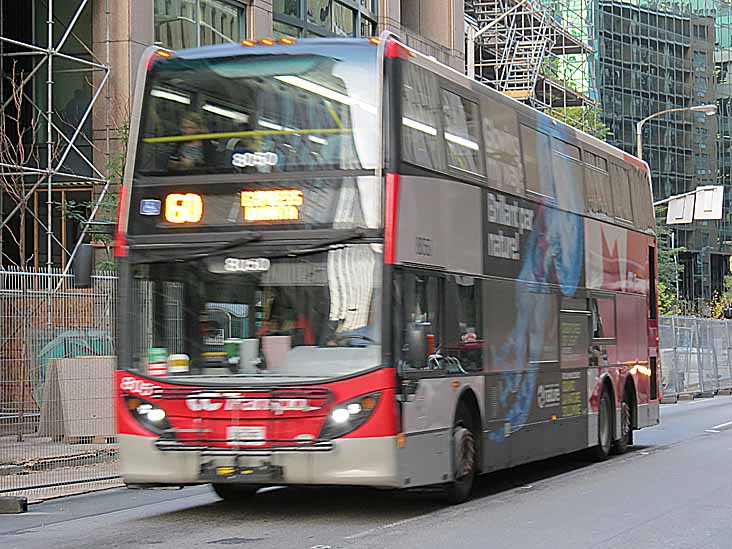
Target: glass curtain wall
656,56
310,18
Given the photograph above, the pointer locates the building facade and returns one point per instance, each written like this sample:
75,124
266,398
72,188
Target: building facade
656,56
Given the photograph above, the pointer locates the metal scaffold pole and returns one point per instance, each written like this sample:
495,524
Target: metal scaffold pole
68,161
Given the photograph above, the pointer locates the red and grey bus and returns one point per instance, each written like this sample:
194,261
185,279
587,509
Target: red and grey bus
343,263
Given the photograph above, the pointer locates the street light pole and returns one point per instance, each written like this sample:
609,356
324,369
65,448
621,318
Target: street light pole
709,110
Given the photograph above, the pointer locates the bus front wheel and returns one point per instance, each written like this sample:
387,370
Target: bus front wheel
235,492
464,457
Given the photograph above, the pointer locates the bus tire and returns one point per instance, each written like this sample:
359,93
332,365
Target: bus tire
235,492
604,427
625,440
464,456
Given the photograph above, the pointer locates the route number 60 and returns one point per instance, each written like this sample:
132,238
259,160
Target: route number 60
183,208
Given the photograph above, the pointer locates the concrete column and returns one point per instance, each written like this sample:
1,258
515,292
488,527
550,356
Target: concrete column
121,31
259,19
389,15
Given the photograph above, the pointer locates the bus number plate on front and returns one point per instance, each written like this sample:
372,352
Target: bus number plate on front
239,435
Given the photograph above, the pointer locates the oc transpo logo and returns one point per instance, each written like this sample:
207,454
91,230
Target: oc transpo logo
205,402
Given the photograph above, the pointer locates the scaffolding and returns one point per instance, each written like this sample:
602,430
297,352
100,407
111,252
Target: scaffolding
537,51
33,66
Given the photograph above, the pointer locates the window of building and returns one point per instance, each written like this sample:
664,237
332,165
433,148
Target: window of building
310,18
183,24
462,132
537,161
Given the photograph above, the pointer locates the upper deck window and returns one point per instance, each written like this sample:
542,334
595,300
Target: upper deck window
422,143
642,200
597,185
308,109
502,149
462,132
621,193
568,176
537,161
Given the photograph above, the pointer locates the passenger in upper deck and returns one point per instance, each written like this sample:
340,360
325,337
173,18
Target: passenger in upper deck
197,153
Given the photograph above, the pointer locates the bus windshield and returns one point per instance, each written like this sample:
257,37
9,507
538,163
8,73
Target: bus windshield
290,109
274,316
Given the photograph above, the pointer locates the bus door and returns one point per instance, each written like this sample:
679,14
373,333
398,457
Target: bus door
437,344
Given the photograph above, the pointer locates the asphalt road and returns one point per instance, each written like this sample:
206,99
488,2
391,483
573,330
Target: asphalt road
673,490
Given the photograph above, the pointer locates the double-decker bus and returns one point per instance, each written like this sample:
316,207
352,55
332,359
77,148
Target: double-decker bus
343,263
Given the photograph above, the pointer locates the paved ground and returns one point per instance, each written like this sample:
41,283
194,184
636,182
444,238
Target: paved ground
673,490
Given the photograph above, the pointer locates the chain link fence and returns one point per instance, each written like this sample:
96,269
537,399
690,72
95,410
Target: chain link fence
57,365
696,356
56,370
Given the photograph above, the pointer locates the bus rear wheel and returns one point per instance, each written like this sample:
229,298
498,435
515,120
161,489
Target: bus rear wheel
604,427
625,440
235,492
464,457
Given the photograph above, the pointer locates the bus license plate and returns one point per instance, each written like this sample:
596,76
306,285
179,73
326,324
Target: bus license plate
253,435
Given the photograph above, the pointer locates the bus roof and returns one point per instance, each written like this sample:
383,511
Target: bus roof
237,48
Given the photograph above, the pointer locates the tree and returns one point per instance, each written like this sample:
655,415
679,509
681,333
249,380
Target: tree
586,118
669,269
107,208
18,152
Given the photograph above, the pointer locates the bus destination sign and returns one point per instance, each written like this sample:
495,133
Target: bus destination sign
272,205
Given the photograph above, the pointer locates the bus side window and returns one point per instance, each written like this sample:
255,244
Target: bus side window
417,320
463,334
603,317
422,143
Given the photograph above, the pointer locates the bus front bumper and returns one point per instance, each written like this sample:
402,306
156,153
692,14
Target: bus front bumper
348,461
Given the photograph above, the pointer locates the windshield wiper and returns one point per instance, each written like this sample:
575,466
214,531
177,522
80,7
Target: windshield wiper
325,244
236,243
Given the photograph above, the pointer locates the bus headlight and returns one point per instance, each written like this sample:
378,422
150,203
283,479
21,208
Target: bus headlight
147,414
349,415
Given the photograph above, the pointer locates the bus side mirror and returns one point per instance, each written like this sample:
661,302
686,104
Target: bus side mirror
417,345
83,266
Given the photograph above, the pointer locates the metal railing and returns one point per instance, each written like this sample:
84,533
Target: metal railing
56,368
696,356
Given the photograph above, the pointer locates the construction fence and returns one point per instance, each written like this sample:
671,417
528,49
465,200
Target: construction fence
57,363
56,368
696,356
